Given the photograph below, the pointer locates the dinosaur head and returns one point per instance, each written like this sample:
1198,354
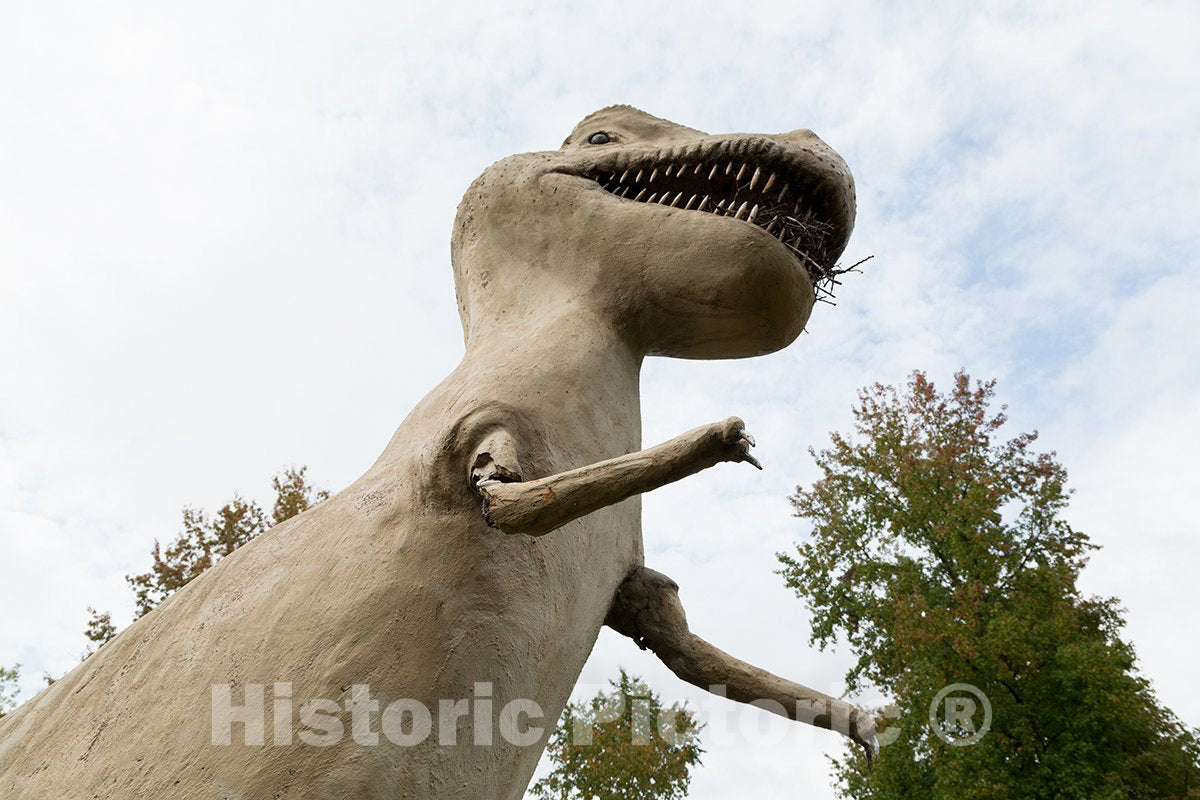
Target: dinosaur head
692,245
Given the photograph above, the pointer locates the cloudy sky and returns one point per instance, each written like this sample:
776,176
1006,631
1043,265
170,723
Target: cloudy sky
224,249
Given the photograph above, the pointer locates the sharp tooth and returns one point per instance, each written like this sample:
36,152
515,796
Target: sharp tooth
607,187
771,225
699,167
741,172
651,198
729,168
678,197
667,171
741,212
625,191
638,177
703,204
713,171
753,213
754,178
665,199
690,203
624,175
769,184
720,205
640,194
653,175
782,192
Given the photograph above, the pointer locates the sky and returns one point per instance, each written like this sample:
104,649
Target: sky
224,249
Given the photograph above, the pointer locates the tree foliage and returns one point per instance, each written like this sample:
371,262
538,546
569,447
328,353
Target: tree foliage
623,744
204,541
938,553
8,688
100,629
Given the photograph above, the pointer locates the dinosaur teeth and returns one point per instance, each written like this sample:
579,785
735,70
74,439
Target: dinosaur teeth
745,191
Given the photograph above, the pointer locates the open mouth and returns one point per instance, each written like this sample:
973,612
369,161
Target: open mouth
765,188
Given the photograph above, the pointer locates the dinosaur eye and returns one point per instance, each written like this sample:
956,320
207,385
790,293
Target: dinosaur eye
599,137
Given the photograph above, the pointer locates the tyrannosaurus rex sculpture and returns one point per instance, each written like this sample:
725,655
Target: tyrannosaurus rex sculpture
638,237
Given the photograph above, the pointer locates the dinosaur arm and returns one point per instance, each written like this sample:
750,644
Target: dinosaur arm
647,609
537,507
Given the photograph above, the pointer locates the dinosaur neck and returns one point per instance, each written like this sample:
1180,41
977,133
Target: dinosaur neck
566,360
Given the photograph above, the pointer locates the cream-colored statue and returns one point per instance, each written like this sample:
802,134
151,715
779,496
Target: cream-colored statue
501,526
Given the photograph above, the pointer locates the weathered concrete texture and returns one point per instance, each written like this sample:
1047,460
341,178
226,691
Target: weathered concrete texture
398,581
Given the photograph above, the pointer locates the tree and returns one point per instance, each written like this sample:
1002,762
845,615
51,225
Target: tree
939,554
100,629
8,688
622,745
206,540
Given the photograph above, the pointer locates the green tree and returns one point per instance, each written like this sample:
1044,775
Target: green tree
623,744
8,688
938,553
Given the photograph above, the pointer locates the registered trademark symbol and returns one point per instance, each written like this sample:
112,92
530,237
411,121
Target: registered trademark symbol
956,725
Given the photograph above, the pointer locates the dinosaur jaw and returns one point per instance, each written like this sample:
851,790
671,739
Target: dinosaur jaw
797,197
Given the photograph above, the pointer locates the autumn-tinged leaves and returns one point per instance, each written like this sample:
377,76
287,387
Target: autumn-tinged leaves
205,540
938,554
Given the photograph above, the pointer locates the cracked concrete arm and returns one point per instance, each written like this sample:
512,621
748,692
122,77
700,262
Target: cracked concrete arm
647,609
539,506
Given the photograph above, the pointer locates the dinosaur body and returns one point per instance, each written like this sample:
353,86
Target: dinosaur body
399,582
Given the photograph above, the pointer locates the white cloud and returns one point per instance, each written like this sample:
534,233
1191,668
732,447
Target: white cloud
224,248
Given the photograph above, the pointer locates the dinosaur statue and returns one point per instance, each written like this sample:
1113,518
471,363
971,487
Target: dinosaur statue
501,526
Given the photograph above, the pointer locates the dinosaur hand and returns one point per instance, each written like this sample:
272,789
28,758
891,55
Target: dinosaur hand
733,441
864,733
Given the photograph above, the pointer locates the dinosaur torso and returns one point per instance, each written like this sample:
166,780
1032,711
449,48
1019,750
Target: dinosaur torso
395,583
